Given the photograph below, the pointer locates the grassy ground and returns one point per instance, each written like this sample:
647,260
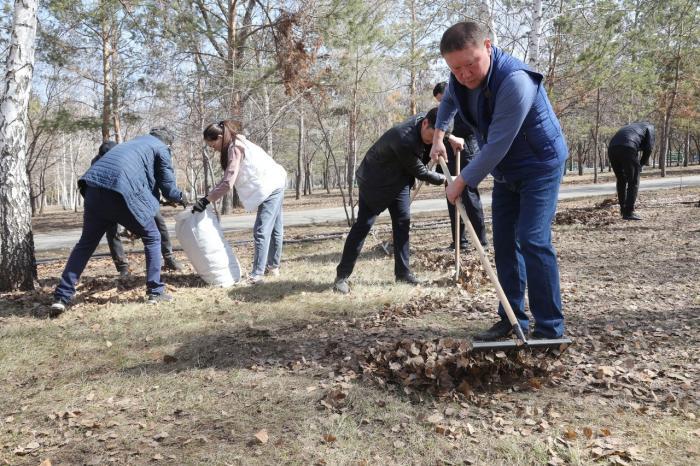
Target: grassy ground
283,372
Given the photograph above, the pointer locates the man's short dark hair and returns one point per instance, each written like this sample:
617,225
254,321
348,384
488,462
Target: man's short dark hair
462,35
439,88
431,116
105,147
164,134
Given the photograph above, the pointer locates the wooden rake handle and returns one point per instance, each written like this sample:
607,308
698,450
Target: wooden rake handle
484,260
431,167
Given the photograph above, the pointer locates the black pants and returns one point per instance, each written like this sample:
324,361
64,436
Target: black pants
475,211
116,247
400,211
625,164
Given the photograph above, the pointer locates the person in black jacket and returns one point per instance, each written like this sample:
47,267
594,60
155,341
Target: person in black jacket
470,196
385,178
116,248
623,154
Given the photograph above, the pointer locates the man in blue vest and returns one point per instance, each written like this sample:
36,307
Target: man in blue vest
124,187
522,145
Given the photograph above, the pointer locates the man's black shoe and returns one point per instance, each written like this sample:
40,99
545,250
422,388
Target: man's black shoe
462,245
631,216
408,278
537,335
170,263
159,298
500,329
124,273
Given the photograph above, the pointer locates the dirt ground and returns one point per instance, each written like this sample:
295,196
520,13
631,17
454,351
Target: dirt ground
290,372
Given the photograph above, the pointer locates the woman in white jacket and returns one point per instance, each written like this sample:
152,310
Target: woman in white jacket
260,183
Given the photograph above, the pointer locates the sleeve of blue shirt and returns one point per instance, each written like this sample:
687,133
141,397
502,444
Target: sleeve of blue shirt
447,109
513,102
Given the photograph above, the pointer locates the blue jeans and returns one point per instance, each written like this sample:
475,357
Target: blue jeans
103,210
400,211
268,232
522,215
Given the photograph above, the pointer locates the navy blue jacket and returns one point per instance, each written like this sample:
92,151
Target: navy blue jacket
539,146
140,170
638,136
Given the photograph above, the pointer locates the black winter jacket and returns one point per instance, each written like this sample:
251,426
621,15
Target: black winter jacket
638,136
394,162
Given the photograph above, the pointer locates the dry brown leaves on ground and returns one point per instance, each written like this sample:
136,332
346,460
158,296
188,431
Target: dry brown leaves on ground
603,213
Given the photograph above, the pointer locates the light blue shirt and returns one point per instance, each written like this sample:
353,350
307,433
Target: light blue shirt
513,102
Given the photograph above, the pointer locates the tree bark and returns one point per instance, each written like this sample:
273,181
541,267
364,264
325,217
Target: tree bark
533,44
17,265
300,155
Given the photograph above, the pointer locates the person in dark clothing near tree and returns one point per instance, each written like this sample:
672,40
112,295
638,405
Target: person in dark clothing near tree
623,154
470,196
124,187
385,178
116,248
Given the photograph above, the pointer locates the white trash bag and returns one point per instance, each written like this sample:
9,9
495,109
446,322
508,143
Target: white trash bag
203,241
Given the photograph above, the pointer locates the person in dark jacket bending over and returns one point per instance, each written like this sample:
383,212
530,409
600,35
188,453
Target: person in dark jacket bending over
116,248
470,196
385,177
522,145
623,154
124,187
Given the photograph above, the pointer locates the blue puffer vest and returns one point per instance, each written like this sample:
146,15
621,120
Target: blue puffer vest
539,146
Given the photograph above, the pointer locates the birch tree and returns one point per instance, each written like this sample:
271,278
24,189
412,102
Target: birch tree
17,265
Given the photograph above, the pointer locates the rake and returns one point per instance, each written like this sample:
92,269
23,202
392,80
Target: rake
520,341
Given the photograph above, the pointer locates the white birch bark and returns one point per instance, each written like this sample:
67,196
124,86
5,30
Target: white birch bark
17,268
535,36
486,16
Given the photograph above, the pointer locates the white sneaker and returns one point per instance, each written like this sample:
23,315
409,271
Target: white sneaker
255,279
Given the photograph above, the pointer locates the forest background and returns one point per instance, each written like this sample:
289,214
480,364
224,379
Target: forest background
316,82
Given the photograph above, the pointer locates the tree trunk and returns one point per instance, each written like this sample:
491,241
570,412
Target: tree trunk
106,79
486,16
116,118
17,264
595,137
533,43
412,66
300,155
667,117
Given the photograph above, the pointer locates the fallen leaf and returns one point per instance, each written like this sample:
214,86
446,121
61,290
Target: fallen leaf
329,438
46,462
570,434
261,437
588,432
169,359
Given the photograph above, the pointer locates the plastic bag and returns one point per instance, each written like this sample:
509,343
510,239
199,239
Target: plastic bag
204,244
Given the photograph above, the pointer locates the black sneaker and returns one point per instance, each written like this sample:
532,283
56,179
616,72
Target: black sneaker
159,298
632,216
500,329
341,285
124,274
408,278
170,263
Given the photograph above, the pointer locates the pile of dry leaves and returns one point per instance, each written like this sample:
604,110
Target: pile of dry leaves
603,213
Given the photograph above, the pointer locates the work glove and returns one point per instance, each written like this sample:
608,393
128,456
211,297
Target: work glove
184,202
200,205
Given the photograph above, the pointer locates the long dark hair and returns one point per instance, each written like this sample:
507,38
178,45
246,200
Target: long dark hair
229,130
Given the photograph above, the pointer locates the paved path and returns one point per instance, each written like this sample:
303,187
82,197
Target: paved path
67,238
